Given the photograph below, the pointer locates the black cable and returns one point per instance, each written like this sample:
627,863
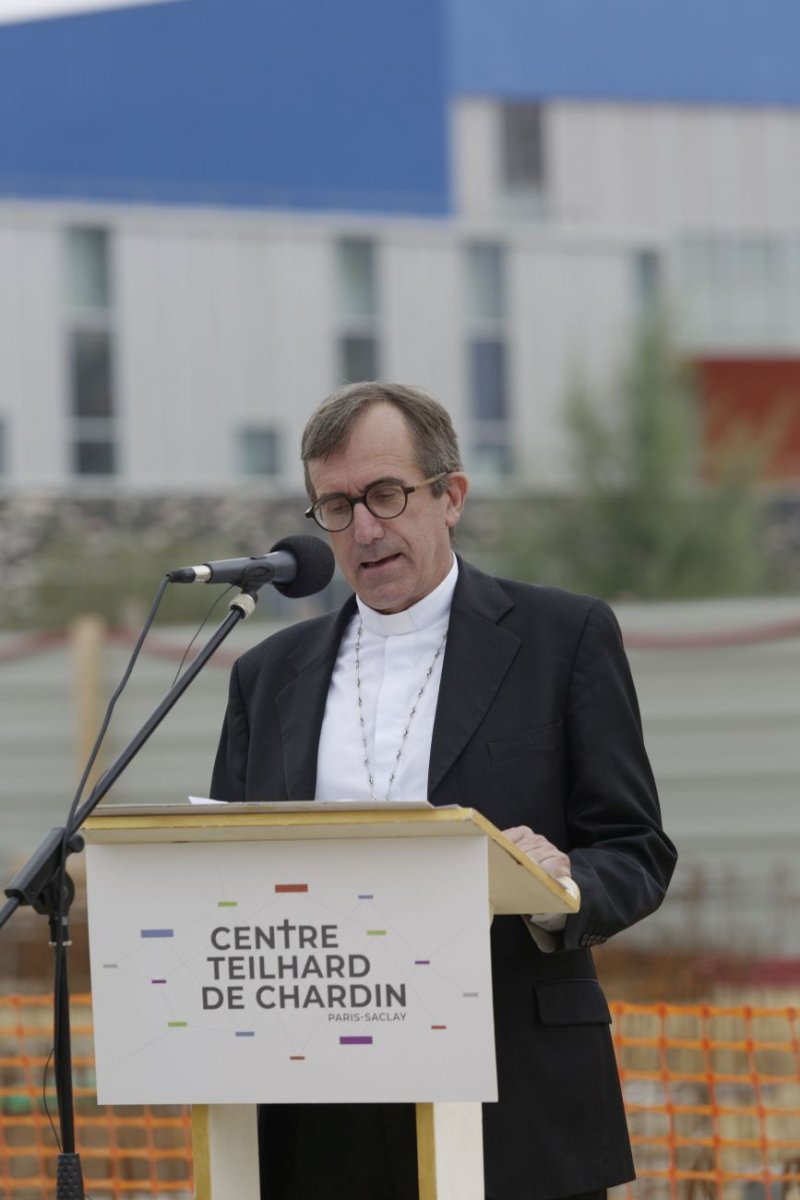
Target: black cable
199,630
48,1114
162,587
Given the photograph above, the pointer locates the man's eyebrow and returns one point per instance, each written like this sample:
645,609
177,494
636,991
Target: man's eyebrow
374,483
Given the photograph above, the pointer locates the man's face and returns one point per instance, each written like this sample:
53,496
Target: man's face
391,564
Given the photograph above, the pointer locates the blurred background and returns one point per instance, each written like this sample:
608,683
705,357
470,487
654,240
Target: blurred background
576,222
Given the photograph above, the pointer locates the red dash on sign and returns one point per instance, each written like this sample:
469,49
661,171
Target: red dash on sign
438,1027
291,887
297,1058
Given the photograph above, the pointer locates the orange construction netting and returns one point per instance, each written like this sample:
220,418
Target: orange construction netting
712,1095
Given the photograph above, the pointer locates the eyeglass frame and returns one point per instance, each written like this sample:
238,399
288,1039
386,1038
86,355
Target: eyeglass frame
406,489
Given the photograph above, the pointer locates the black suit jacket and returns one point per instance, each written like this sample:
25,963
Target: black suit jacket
536,724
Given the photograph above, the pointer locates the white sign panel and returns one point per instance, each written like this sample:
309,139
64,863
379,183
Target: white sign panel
239,972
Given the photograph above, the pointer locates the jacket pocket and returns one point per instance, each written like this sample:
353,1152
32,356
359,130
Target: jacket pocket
532,741
571,1002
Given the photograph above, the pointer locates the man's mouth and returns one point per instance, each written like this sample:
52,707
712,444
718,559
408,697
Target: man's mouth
378,562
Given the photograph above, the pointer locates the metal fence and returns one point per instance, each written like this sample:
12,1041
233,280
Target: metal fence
712,1096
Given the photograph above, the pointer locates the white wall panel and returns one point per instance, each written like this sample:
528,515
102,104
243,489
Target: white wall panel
10,360
143,400
221,329
664,168
297,328
653,168
571,313
33,352
210,300
423,319
475,158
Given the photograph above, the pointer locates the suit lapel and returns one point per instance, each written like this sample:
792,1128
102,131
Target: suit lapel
301,704
476,660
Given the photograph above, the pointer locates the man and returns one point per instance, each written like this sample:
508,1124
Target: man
436,680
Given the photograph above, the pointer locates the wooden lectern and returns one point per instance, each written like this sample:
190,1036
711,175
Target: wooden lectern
303,952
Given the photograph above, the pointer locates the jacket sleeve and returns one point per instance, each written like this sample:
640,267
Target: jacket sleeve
621,858
230,767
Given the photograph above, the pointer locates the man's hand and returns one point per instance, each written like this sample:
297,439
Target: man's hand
544,853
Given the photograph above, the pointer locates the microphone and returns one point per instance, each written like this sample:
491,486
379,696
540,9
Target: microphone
296,566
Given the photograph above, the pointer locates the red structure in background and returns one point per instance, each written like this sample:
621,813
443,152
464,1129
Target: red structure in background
754,399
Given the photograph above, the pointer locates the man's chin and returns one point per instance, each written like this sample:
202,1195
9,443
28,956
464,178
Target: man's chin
383,589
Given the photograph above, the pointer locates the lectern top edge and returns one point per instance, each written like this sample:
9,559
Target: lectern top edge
281,821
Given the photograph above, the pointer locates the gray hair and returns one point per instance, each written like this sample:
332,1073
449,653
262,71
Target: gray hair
432,433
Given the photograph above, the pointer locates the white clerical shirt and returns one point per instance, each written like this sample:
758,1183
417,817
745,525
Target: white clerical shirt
396,651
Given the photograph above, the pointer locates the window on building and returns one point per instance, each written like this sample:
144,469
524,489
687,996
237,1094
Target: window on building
488,379
259,451
88,276
358,293
90,373
486,285
358,309
93,454
647,281
358,358
90,353
738,291
523,148
487,358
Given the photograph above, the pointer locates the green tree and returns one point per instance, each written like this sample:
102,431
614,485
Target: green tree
650,518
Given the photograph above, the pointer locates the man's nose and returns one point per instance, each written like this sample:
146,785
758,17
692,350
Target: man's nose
366,527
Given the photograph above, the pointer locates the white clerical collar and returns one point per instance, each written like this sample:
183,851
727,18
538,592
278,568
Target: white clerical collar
425,612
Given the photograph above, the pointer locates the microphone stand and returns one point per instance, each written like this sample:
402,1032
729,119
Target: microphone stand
44,885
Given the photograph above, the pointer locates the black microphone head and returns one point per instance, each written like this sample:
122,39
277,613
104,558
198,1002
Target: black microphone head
315,565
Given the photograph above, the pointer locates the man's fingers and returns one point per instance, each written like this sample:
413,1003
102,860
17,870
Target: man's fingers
538,848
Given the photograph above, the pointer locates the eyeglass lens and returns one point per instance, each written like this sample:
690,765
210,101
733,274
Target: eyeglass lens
383,500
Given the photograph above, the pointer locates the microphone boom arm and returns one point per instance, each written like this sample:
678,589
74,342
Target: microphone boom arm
42,884
36,875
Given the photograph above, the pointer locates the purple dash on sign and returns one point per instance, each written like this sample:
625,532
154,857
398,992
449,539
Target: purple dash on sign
157,933
422,962
158,981
355,1041
245,1033
367,896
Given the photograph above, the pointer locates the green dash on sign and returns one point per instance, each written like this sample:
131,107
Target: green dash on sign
376,933
227,904
177,1024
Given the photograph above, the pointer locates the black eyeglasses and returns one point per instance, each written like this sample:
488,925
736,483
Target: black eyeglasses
384,500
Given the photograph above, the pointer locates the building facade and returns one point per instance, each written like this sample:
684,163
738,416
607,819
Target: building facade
211,214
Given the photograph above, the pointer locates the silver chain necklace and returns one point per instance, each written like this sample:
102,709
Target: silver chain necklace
409,719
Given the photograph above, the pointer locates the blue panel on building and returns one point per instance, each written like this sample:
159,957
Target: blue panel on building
684,51
302,104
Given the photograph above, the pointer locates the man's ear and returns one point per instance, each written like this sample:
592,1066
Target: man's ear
457,488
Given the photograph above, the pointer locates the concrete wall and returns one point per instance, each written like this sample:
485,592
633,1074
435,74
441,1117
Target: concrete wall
720,723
